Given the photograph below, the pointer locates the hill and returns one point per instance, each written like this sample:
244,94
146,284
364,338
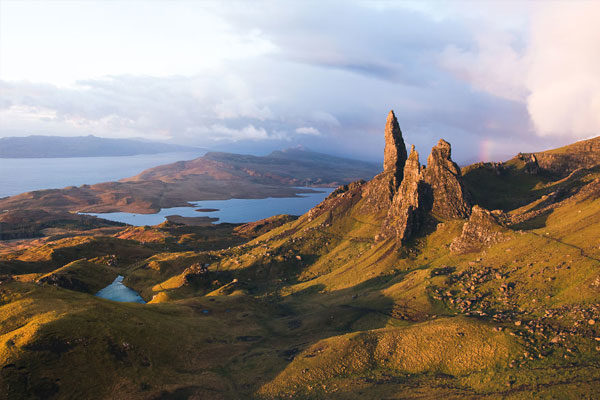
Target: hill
215,176
402,287
36,146
295,167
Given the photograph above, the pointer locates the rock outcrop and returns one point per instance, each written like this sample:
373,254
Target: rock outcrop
436,189
410,203
450,199
408,193
339,202
531,165
565,160
480,231
394,156
379,191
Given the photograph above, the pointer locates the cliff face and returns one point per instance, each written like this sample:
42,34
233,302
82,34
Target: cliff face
480,231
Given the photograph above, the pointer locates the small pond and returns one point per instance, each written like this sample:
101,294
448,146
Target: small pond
116,291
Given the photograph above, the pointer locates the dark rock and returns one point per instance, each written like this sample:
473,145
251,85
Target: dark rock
531,165
64,281
248,338
481,230
379,191
195,273
450,199
408,209
394,156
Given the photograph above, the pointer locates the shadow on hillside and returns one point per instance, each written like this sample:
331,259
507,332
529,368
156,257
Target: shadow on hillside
536,222
312,314
512,187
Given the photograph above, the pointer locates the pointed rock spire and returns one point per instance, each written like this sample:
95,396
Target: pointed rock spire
394,155
410,203
450,198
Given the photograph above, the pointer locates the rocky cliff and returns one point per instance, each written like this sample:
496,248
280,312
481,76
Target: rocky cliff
410,203
564,160
379,192
480,231
416,192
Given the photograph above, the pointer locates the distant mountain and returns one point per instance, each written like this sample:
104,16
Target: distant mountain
295,166
81,146
215,176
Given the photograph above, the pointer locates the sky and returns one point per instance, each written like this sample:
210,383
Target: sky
492,78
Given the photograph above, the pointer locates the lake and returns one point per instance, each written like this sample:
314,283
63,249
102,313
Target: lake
116,291
19,175
232,210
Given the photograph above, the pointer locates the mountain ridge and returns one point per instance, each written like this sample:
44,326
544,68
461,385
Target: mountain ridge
215,176
41,146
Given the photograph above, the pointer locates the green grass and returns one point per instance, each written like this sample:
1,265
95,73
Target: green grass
321,310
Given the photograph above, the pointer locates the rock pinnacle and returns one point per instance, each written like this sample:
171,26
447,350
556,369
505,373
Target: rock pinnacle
395,150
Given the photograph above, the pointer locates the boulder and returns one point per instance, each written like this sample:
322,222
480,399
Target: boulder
480,231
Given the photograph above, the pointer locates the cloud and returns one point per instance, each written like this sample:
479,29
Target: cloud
296,75
249,132
551,67
308,130
564,69
495,66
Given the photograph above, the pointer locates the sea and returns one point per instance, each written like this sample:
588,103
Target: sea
19,175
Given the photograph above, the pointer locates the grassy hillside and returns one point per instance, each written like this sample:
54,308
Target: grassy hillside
317,308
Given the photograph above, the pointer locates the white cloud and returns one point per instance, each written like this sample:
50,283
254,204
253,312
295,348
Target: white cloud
308,130
61,42
494,66
564,69
249,132
325,118
553,69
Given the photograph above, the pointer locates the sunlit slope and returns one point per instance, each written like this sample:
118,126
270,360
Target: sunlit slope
59,342
324,306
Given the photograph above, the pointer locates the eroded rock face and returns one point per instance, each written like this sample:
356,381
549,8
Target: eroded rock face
563,161
450,198
394,156
379,192
531,165
480,231
65,281
437,189
408,193
410,203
